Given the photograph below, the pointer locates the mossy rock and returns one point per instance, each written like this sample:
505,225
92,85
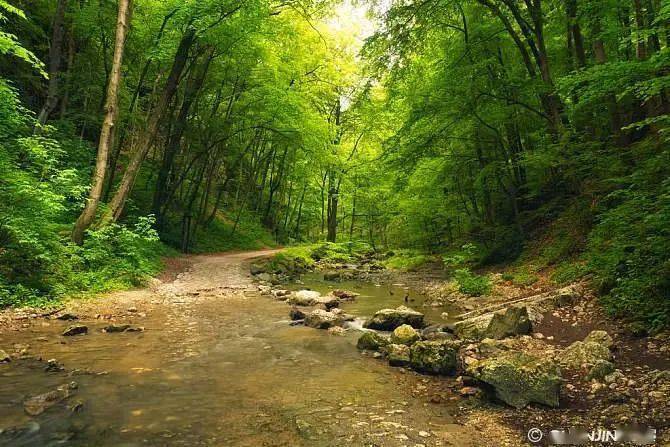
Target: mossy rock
434,357
601,369
584,353
405,335
372,341
519,379
397,355
601,337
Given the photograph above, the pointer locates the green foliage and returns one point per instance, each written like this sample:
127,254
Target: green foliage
407,260
472,284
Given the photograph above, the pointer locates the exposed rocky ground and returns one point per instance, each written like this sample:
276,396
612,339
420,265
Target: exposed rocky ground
522,357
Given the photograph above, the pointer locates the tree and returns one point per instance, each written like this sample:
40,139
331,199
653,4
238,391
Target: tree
111,114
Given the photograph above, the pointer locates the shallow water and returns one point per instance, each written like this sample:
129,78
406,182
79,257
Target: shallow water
218,371
375,296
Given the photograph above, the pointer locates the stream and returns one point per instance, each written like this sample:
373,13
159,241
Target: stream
218,364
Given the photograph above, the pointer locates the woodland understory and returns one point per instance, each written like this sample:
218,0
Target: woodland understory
475,134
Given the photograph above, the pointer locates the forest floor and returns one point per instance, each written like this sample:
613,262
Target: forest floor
208,343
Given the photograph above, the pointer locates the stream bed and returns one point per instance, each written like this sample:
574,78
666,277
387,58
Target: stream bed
222,370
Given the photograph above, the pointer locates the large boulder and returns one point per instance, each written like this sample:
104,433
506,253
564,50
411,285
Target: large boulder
584,354
397,355
389,319
519,379
322,319
405,335
304,298
503,323
433,357
372,341
257,269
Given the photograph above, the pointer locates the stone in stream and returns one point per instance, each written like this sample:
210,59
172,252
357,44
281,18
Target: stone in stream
76,329
344,294
405,335
67,317
321,319
37,405
116,328
328,301
434,357
296,314
519,379
4,357
281,293
389,319
304,298
397,355
372,341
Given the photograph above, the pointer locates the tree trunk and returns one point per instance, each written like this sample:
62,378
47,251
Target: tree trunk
575,33
123,191
55,56
111,114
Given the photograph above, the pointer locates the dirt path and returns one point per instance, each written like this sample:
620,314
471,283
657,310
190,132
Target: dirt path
215,364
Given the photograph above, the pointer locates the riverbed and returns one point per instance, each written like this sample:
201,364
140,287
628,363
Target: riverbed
217,365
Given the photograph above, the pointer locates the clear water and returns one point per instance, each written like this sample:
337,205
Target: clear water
376,296
217,369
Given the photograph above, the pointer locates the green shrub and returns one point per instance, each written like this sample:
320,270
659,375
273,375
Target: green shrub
472,284
407,260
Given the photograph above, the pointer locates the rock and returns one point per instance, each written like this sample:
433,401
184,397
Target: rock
304,298
4,357
614,377
468,391
389,319
265,290
67,317
281,293
321,319
332,275
132,309
434,357
337,330
344,294
600,369
405,335
257,269
445,315
397,355
519,379
440,336
583,353
76,329
37,405
372,341
329,301
504,323
265,277
296,314
116,328
600,337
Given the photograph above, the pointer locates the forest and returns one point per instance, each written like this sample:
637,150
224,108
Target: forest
529,134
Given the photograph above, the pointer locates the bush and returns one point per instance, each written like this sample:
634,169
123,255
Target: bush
472,284
407,260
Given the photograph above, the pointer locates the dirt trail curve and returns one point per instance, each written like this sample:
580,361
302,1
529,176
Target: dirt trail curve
212,274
